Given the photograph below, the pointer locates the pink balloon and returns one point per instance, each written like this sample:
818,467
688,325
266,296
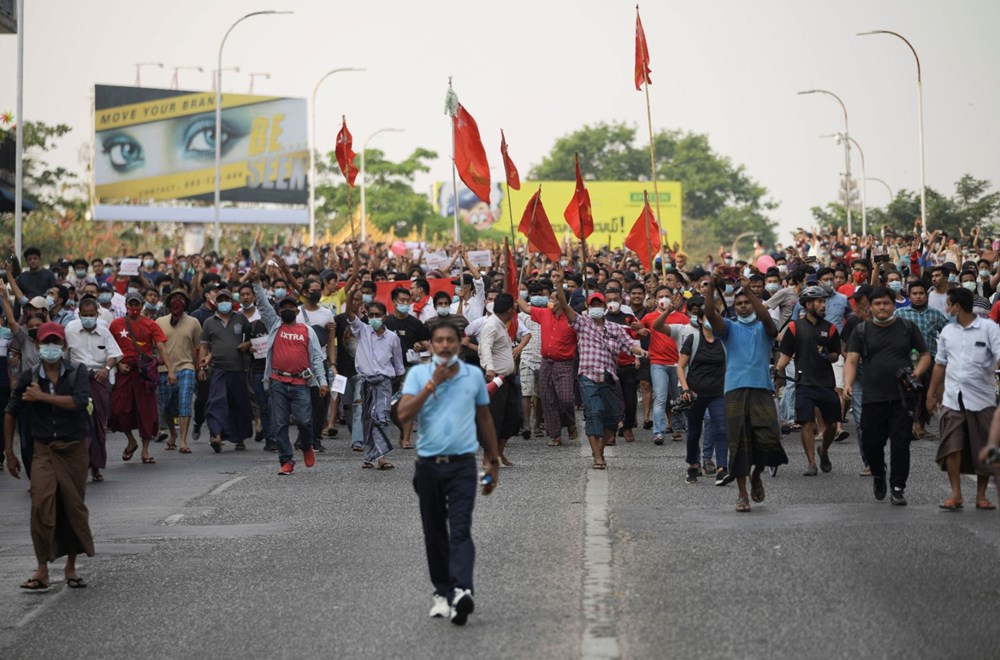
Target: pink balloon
399,248
764,262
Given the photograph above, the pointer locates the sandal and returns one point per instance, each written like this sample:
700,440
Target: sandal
34,584
386,466
743,505
75,583
128,453
985,505
185,450
367,466
756,489
865,472
611,443
600,466
951,504
148,460
555,443
170,446
96,476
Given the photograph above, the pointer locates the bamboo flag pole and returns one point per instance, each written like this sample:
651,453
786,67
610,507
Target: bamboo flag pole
510,212
531,227
652,155
451,109
645,221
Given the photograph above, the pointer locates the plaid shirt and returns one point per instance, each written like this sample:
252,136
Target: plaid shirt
598,347
929,322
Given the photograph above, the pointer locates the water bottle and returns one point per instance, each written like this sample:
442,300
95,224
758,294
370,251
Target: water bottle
485,479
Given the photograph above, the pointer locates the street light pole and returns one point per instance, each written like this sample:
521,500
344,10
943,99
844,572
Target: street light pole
888,189
312,153
847,153
920,119
138,68
864,186
364,213
175,80
217,136
265,76
19,133
215,72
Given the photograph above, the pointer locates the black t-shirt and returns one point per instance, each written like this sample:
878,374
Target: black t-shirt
347,346
884,350
257,329
36,283
850,325
706,375
410,330
808,343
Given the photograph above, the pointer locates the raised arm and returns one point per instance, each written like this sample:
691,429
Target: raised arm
711,313
557,284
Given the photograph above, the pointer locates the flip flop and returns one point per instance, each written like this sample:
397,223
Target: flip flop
742,505
951,504
985,505
170,447
216,446
96,477
149,460
757,490
367,466
185,450
34,584
600,466
555,443
75,583
386,466
127,454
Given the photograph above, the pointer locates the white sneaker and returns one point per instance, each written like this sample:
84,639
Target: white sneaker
440,609
461,606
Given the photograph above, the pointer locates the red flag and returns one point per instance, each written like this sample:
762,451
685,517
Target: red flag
536,227
470,157
644,235
642,69
577,214
511,287
513,179
345,154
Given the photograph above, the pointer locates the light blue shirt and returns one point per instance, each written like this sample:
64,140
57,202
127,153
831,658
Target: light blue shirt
748,356
448,418
377,355
837,307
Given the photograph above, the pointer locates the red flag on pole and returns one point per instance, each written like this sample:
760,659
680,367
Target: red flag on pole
536,227
644,235
470,157
511,286
345,154
642,69
513,179
578,215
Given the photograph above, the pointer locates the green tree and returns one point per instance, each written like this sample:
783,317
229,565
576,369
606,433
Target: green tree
715,190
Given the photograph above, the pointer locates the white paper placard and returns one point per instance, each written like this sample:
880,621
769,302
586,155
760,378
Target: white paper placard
339,384
259,347
437,260
480,257
129,267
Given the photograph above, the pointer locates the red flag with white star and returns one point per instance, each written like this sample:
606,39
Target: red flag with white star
345,154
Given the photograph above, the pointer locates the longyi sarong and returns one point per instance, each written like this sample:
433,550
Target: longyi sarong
59,518
133,406
228,410
376,395
754,434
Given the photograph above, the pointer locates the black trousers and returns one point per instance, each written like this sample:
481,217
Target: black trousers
320,406
447,494
887,421
628,380
505,407
200,401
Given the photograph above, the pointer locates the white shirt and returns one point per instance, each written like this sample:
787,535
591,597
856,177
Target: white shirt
475,306
495,353
971,355
938,301
91,348
320,316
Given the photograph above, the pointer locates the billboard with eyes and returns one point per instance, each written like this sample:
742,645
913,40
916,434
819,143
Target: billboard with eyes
159,144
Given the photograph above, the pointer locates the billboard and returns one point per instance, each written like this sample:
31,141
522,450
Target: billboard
159,144
615,205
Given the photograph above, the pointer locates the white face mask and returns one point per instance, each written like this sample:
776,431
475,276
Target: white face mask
971,286
664,303
438,360
489,308
782,268
614,306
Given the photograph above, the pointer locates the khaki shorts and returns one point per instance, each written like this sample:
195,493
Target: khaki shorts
529,381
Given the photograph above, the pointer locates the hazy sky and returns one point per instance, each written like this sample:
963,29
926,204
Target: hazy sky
540,69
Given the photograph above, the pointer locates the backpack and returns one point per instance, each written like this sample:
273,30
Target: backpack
694,346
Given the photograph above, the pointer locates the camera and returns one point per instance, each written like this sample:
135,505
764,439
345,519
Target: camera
680,404
909,387
993,456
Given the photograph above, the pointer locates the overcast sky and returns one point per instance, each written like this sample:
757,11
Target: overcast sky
540,69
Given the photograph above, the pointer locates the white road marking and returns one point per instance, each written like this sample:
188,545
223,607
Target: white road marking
174,519
600,638
221,488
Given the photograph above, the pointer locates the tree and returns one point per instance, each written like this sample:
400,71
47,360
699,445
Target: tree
715,190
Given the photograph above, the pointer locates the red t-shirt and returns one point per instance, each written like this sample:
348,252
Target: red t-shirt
147,335
558,339
995,312
290,352
662,348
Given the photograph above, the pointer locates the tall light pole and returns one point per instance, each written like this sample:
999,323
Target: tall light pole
216,137
175,81
265,76
364,213
138,68
312,152
847,152
215,73
19,132
864,178
892,197
920,119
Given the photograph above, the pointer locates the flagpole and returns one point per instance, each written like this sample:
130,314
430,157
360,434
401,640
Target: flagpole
454,173
645,220
531,227
510,212
652,156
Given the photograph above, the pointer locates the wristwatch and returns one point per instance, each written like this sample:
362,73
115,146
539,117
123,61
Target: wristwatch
107,368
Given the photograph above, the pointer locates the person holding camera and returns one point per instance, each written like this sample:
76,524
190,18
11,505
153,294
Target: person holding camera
967,357
886,344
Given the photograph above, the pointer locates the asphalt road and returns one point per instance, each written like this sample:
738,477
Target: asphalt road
206,555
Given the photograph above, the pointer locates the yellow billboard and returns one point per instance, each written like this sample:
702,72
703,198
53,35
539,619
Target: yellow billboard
615,204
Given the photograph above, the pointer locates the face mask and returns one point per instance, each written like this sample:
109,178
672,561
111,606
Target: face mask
455,299
33,333
563,262
887,321
596,312
132,289
236,297
747,319
729,262
151,306
859,277
458,290
88,322
971,286
838,254
107,270
827,286
248,304
3,273
523,293
50,301
782,268
539,301
148,263
984,273
438,360
5,333
614,306
376,324
746,272
225,307
895,287
280,293
403,309
80,274
367,298
952,278
183,265
663,303
444,310
288,315
729,289
50,353
772,287
489,308
104,297
313,297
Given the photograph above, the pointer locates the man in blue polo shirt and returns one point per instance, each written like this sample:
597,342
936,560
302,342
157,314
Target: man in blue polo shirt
451,400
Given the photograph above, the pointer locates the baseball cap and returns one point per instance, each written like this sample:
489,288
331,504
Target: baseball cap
595,296
39,302
134,297
50,329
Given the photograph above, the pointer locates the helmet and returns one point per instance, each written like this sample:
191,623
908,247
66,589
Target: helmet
813,293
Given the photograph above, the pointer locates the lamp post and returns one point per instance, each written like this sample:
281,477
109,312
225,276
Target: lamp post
265,76
364,213
138,68
312,152
215,73
864,178
920,118
216,137
175,81
732,249
19,133
847,152
892,197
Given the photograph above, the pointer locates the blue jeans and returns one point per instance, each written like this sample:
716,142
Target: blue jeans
291,401
601,406
664,388
715,431
263,404
788,395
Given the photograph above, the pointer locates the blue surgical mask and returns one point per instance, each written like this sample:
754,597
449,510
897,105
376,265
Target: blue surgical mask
367,298
952,278
5,333
150,306
107,270
747,319
438,360
539,301
887,321
984,273
80,274
50,301
375,324
225,307
523,293
444,310
596,312
236,297
458,290
104,297
896,286
88,322
729,289
403,309
455,299
280,292
747,272
772,287
183,266
50,353
148,263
